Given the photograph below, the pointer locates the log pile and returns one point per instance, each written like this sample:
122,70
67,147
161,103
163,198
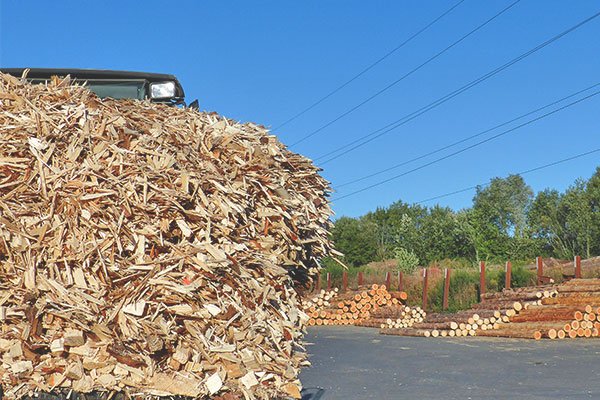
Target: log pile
491,314
150,249
400,316
356,307
321,300
572,313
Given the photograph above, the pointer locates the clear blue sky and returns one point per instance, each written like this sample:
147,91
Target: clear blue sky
264,61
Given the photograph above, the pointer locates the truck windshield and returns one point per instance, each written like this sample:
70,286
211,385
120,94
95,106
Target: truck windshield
116,89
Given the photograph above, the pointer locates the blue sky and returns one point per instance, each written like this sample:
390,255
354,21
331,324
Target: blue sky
264,61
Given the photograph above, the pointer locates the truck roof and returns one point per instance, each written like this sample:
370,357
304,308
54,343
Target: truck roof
91,74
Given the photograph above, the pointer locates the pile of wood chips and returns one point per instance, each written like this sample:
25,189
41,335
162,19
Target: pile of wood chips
150,249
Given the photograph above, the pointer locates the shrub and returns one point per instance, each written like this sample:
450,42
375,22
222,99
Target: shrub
520,277
407,260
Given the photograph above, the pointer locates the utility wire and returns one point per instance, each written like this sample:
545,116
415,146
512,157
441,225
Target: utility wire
409,117
361,73
467,148
518,173
406,75
466,139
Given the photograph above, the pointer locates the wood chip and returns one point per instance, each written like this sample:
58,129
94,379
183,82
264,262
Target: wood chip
150,249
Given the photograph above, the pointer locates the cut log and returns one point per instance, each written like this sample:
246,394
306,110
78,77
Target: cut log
405,332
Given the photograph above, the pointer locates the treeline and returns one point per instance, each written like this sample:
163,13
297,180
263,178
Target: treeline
506,221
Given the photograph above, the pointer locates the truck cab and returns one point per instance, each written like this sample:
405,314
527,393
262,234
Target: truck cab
158,88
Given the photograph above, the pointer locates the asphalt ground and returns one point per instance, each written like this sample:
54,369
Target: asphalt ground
358,363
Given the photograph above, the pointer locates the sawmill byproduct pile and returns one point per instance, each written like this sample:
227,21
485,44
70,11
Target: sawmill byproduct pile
150,249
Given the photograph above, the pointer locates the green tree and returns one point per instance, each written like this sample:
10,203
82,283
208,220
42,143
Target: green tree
593,192
407,260
577,220
545,223
357,239
499,216
444,236
399,225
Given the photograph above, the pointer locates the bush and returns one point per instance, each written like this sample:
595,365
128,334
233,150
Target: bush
454,263
520,277
407,260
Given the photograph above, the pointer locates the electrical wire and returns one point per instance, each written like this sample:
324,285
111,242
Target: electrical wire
355,144
368,68
406,75
465,139
518,173
466,148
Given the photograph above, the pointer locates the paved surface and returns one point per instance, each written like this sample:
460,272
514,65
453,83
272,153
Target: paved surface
357,363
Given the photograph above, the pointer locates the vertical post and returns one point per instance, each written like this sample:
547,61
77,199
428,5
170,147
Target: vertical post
425,287
345,281
318,281
446,288
578,267
508,274
400,283
540,269
481,278
328,281
360,278
388,280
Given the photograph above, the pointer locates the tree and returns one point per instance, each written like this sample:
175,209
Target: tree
593,192
576,220
385,233
544,222
357,239
499,216
399,225
505,221
444,236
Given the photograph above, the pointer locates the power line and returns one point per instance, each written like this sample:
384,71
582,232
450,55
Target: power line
406,75
466,139
518,173
347,148
361,73
466,148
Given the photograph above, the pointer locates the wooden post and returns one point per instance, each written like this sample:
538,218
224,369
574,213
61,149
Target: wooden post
400,283
577,266
481,278
425,288
360,278
388,280
318,281
345,281
446,288
328,281
540,269
508,274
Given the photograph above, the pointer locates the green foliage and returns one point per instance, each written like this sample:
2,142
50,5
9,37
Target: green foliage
499,219
506,221
463,291
357,239
407,260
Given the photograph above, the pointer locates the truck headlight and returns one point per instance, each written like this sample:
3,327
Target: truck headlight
162,90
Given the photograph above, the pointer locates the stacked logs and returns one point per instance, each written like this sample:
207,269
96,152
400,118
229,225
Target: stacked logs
355,307
406,317
572,313
492,313
321,300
